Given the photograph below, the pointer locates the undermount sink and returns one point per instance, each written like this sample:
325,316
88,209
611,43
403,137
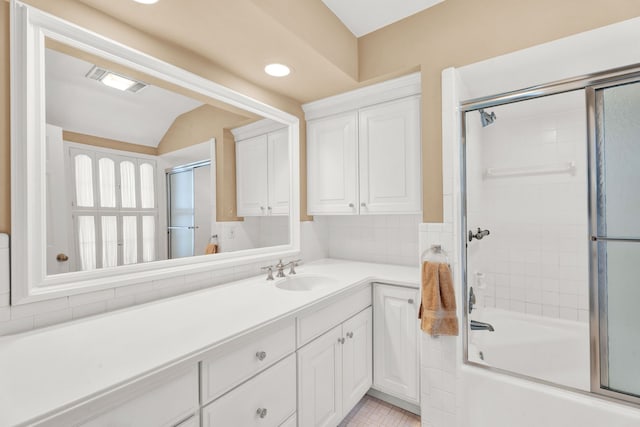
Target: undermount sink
304,283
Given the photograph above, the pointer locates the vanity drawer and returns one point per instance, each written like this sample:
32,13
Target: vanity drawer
167,403
316,323
272,393
241,359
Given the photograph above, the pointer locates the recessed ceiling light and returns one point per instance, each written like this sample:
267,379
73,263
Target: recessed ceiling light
277,70
146,1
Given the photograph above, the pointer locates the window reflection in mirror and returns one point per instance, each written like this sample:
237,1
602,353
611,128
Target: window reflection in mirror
139,170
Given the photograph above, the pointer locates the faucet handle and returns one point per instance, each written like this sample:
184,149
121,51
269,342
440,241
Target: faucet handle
294,264
269,269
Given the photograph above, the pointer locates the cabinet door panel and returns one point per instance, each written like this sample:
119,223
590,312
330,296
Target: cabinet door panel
389,148
395,329
320,381
332,165
278,143
251,176
357,370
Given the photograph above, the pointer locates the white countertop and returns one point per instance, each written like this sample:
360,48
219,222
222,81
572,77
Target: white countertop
50,368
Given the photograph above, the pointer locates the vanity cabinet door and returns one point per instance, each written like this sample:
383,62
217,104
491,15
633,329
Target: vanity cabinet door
278,167
251,176
389,153
320,381
395,331
332,165
357,370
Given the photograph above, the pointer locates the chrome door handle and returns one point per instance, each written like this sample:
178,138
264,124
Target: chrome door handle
262,412
261,355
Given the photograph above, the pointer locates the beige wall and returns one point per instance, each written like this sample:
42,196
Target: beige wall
460,32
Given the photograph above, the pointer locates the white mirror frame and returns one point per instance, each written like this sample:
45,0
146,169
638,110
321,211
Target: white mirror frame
29,281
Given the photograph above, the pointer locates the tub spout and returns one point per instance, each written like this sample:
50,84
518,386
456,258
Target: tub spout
481,326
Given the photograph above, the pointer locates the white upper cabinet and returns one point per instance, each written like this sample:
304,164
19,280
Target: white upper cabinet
332,165
364,151
262,169
390,178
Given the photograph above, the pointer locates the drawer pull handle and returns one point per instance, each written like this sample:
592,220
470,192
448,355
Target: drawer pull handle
349,334
410,301
261,355
262,412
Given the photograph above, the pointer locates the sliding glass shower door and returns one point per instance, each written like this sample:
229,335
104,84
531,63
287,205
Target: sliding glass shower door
616,236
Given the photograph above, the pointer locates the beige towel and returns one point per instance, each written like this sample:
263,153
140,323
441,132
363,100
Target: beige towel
438,307
211,248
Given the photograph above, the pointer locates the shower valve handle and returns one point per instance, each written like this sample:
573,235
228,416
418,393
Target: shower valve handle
480,234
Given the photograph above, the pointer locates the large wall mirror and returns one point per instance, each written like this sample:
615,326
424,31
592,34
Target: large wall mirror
126,167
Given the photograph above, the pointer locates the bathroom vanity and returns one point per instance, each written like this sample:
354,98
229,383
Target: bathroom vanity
251,352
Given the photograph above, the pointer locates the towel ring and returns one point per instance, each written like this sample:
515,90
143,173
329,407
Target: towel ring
435,254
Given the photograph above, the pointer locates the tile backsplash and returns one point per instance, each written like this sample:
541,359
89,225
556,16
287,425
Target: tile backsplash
389,239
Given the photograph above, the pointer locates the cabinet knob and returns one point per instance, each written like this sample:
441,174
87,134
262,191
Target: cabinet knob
261,355
262,412
363,204
269,207
410,300
351,205
349,334
341,340
261,208
62,257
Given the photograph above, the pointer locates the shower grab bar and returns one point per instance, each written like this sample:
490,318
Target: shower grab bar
567,167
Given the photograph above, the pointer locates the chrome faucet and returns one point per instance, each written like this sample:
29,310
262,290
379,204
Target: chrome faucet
280,267
481,326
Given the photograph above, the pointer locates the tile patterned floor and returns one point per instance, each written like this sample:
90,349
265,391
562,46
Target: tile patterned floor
372,412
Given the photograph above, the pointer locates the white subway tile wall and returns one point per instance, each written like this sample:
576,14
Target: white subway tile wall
536,259
390,239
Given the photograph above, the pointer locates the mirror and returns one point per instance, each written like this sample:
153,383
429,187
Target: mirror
127,167
131,169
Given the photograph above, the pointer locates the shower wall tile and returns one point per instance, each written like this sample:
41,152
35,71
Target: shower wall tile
536,259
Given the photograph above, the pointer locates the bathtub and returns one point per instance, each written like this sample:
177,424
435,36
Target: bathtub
549,349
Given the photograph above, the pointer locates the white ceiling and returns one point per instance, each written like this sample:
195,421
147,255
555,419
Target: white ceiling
365,16
78,104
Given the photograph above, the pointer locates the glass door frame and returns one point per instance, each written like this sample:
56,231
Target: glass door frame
589,84
171,171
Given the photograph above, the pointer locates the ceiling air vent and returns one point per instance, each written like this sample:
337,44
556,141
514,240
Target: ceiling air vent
116,81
